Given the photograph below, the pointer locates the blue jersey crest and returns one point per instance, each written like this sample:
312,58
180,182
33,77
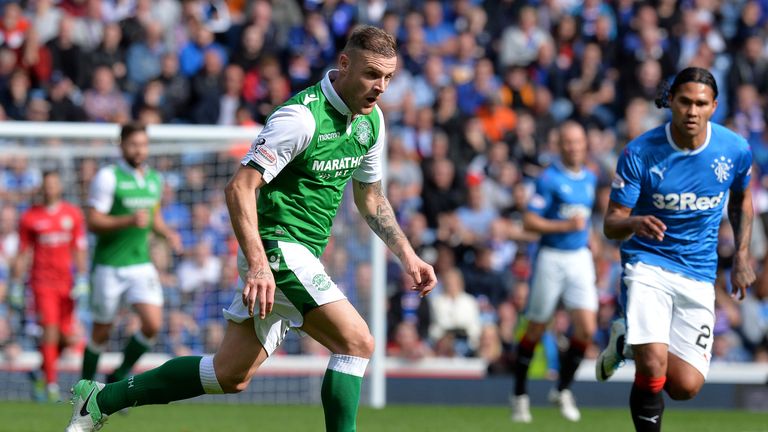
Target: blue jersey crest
686,190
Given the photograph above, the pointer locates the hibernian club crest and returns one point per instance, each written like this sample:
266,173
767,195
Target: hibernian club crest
363,131
722,168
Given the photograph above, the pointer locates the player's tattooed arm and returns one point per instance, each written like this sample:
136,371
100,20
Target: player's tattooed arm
740,215
378,213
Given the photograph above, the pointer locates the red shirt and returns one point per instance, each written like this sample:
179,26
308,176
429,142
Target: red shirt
52,233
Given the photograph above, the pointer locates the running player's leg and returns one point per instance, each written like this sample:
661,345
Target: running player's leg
341,329
106,290
229,371
649,318
151,318
690,344
49,310
144,293
547,286
580,298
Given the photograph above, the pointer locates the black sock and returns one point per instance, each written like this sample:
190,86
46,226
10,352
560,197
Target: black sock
647,409
569,363
524,355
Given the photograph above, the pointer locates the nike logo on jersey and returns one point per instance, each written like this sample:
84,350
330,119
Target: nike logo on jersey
654,419
309,98
84,410
658,171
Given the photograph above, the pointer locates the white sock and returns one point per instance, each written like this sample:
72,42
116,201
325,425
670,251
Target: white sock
208,376
347,364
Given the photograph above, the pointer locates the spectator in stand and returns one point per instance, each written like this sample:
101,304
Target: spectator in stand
191,56
144,58
110,53
197,273
104,102
519,45
62,96
456,313
66,54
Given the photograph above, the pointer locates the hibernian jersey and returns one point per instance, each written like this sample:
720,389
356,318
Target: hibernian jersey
561,195
308,150
119,190
686,190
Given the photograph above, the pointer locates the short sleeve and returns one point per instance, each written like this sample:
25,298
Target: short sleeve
370,169
743,169
541,199
625,187
102,190
288,132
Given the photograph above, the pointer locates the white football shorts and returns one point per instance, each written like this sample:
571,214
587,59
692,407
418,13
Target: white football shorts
113,287
562,274
669,308
302,285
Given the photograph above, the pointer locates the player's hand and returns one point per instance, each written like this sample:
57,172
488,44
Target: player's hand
259,291
577,223
174,241
141,218
16,295
81,288
422,273
742,276
649,227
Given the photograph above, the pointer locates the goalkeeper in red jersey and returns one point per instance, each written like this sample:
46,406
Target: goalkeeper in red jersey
52,238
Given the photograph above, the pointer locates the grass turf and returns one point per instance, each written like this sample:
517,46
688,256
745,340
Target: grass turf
191,417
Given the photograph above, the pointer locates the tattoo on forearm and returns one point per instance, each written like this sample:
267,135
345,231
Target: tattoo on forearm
741,223
383,221
258,274
375,186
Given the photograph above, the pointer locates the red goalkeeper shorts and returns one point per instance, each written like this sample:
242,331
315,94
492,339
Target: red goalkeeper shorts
54,306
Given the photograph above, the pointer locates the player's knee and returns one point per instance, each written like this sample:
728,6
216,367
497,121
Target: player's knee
360,345
234,383
683,389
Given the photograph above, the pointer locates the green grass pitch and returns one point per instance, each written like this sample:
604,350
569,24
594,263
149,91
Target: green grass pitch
192,417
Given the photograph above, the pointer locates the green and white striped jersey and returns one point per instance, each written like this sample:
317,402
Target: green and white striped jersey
308,150
120,190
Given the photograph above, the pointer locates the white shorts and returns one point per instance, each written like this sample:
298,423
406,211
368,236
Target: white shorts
562,274
113,287
302,285
669,308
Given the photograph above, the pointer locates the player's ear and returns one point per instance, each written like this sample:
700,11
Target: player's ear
344,62
714,105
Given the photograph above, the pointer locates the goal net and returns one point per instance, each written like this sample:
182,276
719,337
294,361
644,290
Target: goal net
196,162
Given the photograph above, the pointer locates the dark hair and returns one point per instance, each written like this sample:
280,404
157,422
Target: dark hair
50,172
131,128
373,39
690,74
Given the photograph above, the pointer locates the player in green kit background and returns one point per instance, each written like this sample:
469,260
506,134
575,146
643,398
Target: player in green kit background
309,149
123,208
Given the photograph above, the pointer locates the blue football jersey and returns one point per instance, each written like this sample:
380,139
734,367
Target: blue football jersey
686,190
560,195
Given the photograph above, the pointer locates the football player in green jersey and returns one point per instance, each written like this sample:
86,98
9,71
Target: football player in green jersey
123,208
309,149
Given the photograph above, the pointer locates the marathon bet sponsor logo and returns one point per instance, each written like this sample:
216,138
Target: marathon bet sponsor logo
339,167
139,202
262,154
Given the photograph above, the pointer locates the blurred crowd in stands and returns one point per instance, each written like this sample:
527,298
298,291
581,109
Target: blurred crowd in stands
471,117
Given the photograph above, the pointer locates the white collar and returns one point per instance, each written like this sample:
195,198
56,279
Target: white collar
668,131
330,93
